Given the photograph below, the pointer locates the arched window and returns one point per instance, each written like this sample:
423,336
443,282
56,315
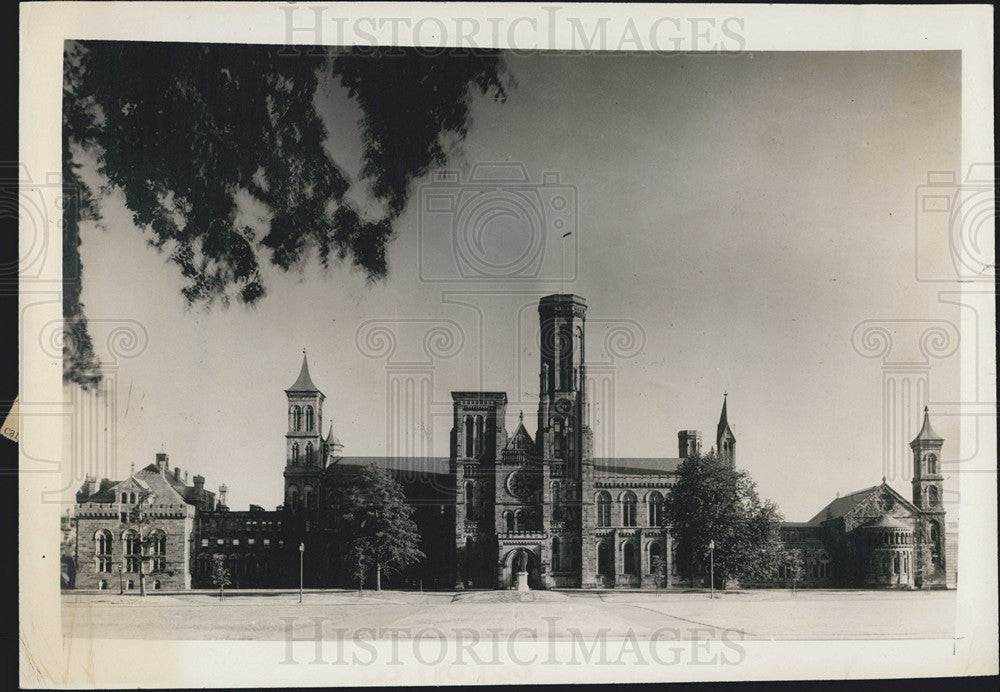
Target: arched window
296,419
604,563
307,496
935,543
158,549
124,498
310,419
932,463
628,508
133,548
628,563
470,500
509,519
655,501
295,454
556,554
156,585
558,438
102,550
603,509
479,435
293,496
309,453
655,557
895,563
519,524
131,498
932,496
470,437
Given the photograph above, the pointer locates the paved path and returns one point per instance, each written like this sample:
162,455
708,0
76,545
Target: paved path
269,616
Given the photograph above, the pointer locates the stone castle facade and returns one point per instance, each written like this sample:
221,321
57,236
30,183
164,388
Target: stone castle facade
498,504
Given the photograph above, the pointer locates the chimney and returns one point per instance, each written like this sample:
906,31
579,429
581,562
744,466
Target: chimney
185,478
199,482
222,495
162,460
177,473
89,488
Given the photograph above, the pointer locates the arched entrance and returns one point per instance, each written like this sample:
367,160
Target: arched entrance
518,559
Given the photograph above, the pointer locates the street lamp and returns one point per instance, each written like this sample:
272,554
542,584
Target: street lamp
711,563
302,552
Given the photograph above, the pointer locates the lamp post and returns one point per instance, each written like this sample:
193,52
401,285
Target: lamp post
302,552
711,563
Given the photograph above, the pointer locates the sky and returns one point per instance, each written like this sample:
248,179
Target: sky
733,218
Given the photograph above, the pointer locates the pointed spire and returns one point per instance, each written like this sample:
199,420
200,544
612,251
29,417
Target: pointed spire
723,422
927,432
304,383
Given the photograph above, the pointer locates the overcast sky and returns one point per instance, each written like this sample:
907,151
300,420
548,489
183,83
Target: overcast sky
738,216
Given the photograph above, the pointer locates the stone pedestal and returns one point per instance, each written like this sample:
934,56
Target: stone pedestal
522,581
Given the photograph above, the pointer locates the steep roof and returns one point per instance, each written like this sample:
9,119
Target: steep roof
842,505
927,432
723,420
414,465
520,435
304,383
164,488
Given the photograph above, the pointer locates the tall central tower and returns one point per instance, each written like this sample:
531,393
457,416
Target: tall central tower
564,439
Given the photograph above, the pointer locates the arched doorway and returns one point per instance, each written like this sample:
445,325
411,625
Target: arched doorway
517,559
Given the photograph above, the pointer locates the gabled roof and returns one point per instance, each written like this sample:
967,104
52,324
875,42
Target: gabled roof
162,487
304,383
927,433
843,505
520,434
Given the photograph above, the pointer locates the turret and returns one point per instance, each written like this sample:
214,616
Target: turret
688,443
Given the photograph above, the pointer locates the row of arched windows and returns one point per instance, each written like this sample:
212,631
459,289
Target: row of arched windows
305,500
128,498
475,432
520,520
296,456
931,460
132,551
629,505
629,557
295,416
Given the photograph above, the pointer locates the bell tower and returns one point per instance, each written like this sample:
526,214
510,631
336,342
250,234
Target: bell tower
563,434
927,476
303,446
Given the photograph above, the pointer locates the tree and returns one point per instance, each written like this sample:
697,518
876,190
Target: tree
375,523
220,575
712,500
794,565
193,135
143,523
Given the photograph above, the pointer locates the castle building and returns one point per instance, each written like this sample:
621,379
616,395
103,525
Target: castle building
500,503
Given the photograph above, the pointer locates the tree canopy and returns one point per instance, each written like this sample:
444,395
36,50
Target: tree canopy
374,522
187,132
712,500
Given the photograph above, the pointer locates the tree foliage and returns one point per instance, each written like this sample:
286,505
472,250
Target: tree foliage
374,522
220,574
712,500
191,134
